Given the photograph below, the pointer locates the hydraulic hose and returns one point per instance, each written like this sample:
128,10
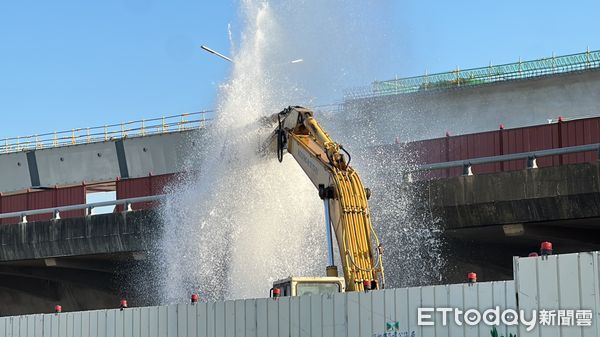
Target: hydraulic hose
281,140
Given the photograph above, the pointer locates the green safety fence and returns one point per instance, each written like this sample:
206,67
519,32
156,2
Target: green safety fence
478,76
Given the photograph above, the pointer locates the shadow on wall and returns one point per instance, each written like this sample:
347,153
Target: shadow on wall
21,296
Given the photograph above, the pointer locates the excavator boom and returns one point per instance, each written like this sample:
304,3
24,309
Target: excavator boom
326,163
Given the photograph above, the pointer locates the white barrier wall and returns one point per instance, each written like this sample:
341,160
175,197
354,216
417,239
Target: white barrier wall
561,285
385,313
556,285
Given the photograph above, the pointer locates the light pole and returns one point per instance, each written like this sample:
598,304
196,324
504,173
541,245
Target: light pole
216,53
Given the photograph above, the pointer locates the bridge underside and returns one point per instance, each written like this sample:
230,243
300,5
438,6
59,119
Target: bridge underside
31,287
82,263
488,218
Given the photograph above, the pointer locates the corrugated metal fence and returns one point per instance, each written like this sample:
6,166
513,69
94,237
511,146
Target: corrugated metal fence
76,195
507,141
53,197
566,282
141,187
391,312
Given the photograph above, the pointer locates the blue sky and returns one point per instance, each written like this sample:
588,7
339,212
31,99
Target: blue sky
67,63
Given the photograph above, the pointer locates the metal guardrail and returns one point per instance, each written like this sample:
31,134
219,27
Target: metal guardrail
144,127
530,156
466,164
482,75
88,207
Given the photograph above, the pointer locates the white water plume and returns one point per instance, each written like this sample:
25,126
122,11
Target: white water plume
243,220
238,220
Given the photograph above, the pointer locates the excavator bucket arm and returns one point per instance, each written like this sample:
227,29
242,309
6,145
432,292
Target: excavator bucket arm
326,163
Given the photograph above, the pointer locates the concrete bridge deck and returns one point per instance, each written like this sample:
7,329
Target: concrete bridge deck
519,203
82,262
102,234
488,218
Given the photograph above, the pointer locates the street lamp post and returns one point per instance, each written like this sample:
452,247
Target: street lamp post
216,53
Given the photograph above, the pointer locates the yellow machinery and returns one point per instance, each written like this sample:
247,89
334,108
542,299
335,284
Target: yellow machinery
345,199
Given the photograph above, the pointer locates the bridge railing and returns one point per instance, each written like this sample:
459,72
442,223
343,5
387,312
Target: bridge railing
482,75
530,156
55,211
138,128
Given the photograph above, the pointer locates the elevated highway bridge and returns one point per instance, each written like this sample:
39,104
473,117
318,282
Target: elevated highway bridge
489,212
462,101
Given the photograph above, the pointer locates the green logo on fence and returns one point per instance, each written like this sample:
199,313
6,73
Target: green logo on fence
494,333
392,329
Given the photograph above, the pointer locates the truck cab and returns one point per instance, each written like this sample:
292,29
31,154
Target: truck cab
299,286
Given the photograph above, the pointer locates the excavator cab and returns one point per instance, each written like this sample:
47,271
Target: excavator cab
300,286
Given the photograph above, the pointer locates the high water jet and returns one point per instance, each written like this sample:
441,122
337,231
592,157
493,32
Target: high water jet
237,221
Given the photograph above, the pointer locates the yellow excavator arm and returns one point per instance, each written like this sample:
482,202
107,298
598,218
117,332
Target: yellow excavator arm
345,199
